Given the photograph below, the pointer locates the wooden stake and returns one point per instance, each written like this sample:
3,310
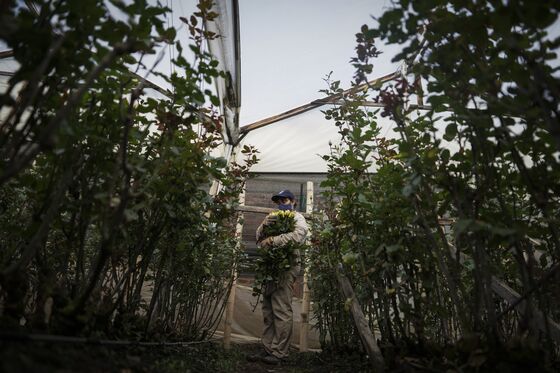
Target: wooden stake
230,306
306,301
544,322
360,321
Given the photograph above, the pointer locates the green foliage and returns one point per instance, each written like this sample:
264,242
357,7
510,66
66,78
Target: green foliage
279,222
483,158
368,227
199,357
334,323
103,188
274,260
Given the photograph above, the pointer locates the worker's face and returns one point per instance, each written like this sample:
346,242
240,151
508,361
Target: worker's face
284,201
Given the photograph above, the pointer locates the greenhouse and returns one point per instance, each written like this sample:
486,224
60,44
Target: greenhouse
224,185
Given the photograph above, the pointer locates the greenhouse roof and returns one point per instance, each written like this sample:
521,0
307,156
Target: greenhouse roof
276,55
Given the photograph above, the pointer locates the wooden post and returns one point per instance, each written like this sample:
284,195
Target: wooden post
306,301
419,91
230,306
515,300
360,321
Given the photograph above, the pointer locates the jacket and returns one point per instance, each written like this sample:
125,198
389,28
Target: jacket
298,235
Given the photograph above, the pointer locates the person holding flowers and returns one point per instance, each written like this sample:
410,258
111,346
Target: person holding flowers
280,239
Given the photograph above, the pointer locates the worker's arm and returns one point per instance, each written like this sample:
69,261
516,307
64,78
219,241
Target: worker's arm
259,234
298,235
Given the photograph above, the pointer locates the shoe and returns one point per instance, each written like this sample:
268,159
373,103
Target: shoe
257,357
271,360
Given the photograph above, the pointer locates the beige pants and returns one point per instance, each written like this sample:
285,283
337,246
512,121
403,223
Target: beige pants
277,315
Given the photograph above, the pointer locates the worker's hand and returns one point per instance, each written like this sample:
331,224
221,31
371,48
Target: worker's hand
270,219
266,242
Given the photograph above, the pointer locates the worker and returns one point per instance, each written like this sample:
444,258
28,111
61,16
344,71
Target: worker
277,297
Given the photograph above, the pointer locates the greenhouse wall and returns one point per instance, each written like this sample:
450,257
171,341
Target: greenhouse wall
260,188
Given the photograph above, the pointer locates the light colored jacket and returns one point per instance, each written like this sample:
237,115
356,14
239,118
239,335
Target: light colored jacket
298,235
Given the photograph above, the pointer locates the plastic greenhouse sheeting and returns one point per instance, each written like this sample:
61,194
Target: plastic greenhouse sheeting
226,49
247,325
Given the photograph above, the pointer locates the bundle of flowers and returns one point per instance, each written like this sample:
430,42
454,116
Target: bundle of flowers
275,260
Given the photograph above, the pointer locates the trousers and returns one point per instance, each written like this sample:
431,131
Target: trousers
278,315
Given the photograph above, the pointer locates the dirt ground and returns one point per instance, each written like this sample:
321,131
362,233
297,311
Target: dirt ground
22,357
207,357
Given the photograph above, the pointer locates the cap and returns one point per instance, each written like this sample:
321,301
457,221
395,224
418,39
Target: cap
283,193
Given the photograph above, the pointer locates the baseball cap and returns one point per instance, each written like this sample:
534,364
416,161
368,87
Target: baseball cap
283,193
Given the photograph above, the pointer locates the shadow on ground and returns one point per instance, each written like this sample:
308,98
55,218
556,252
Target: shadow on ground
206,357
